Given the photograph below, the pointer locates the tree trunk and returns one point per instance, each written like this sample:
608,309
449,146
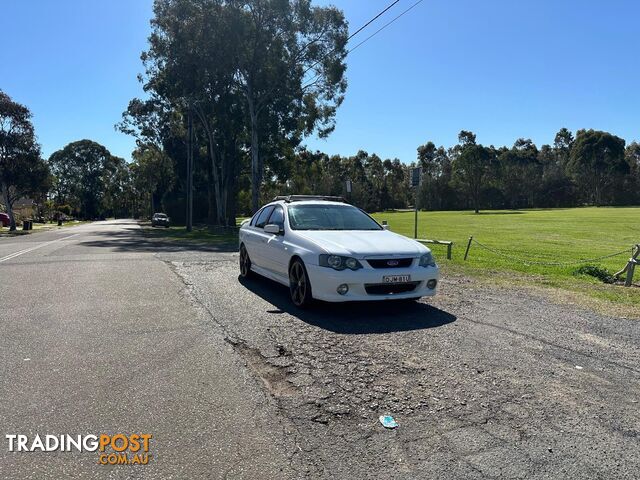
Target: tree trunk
189,219
256,167
231,171
256,174
211,205
213,158
231,211
211,198
9,204
476,199
216,180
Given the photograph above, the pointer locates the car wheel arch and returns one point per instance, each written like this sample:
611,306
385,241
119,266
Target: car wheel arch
293,258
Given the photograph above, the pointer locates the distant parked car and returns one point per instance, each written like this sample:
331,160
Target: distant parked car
4,219
160,220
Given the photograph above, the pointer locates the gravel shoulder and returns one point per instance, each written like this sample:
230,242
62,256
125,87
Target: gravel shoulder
484,382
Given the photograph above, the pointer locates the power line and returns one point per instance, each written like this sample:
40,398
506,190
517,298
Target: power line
385,26
371,21
333,51
351,36
369,37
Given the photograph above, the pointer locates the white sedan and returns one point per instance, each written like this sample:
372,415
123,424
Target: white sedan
325,249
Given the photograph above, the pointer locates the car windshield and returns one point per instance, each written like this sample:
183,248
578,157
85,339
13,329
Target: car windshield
161,215
330,217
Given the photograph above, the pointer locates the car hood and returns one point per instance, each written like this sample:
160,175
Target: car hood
364,243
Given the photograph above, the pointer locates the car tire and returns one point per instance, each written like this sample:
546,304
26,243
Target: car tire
299,285
245,263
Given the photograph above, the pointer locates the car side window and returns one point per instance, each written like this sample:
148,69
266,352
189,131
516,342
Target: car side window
262,218
254,219
277,217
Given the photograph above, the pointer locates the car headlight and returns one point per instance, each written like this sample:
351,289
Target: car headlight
338,262
427,260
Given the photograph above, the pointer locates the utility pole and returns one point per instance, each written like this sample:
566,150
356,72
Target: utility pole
416,180
415,219
189,170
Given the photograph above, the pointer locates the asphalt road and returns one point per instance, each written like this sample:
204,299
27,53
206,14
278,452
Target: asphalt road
105,330
98,336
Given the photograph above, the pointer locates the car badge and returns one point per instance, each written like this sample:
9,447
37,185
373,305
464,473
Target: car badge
392,263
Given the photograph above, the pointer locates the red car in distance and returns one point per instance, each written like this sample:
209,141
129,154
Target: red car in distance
4,219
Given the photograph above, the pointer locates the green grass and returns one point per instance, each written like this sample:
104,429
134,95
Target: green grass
526,237
40,227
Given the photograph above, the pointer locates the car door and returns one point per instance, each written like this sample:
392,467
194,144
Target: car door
276,250
255,237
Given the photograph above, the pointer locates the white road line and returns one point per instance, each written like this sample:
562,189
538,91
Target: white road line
27,250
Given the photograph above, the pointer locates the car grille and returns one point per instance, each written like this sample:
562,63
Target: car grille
390,288
390,262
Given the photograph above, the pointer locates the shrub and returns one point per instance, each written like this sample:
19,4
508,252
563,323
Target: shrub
595,271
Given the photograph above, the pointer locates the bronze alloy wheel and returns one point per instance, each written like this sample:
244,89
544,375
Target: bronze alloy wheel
299,286
245,263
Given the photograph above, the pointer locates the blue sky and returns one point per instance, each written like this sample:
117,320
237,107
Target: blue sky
501,68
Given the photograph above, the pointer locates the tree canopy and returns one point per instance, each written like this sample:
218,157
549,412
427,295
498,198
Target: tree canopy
257,76
23,172
85,172
597,159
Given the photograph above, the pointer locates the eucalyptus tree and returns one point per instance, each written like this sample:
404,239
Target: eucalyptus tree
116,181
597,160
471,166
154,173
632,154
153,122
260,73
562,144
521,173
436,175
190,67
82,170
291,70
23,172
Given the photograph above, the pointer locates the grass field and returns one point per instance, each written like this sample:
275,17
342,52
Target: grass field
526,238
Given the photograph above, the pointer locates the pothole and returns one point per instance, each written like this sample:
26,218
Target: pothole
273,376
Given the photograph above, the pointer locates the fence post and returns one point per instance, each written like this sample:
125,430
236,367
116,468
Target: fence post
466,253
449,250
631,266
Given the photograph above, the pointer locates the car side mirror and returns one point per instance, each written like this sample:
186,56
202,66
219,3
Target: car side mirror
385,227
272,228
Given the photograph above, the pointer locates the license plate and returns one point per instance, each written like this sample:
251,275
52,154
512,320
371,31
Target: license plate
396,278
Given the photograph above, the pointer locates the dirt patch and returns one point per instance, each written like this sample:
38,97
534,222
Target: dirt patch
273,376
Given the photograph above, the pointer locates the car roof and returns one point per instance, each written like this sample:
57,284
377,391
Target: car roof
308,202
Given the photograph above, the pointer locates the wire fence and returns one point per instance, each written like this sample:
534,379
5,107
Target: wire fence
528,262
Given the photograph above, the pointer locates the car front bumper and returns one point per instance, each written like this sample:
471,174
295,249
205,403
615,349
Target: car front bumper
325,281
